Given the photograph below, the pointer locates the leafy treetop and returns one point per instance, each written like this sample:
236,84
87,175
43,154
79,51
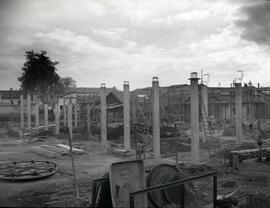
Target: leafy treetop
39,74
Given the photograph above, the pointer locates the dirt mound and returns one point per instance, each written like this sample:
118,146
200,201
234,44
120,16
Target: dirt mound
225,153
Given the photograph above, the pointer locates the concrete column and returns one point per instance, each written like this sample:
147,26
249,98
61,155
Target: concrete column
37,112
65,114
76,115
195,151
204,106
126,116
69,116
22,111
103,114
57,118
28,111
88,118
155,117
239,119
46,116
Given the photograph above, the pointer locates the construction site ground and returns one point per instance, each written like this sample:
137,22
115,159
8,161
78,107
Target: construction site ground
57,191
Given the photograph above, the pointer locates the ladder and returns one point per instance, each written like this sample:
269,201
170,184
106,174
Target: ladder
205,123
144,121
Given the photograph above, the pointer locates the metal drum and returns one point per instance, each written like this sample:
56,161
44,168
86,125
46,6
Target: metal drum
165,173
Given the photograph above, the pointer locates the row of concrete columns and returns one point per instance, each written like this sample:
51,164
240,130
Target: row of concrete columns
28,111
67,114
195,114
126,103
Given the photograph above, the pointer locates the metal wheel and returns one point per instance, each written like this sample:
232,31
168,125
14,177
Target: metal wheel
27,170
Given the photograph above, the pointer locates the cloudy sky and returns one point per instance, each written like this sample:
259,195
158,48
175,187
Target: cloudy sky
115,40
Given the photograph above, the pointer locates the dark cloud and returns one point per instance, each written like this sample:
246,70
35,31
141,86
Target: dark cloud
255,24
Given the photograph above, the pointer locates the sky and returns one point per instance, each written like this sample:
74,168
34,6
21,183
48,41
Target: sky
105,41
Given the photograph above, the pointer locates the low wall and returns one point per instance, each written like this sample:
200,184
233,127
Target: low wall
8,108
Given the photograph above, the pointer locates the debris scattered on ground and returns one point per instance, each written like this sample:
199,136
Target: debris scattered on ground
49,151
74,150
55,151
122,152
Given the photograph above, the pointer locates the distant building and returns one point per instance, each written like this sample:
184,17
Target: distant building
10,97
84,96
175,102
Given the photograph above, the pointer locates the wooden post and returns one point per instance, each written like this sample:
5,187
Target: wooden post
72,159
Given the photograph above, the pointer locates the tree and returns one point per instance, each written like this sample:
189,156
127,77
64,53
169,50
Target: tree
39,75
67,84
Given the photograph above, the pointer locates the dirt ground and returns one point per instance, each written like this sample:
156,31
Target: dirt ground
57,190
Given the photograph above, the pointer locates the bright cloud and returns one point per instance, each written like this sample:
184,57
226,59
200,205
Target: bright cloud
112,41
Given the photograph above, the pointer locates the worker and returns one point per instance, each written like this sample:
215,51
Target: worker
141,150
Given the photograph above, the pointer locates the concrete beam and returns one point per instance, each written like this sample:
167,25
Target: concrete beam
239,118
46,122
126,101
156,118
22,111
195,150
28,111
103,114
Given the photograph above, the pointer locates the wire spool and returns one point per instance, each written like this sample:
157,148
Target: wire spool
27,170
165,173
